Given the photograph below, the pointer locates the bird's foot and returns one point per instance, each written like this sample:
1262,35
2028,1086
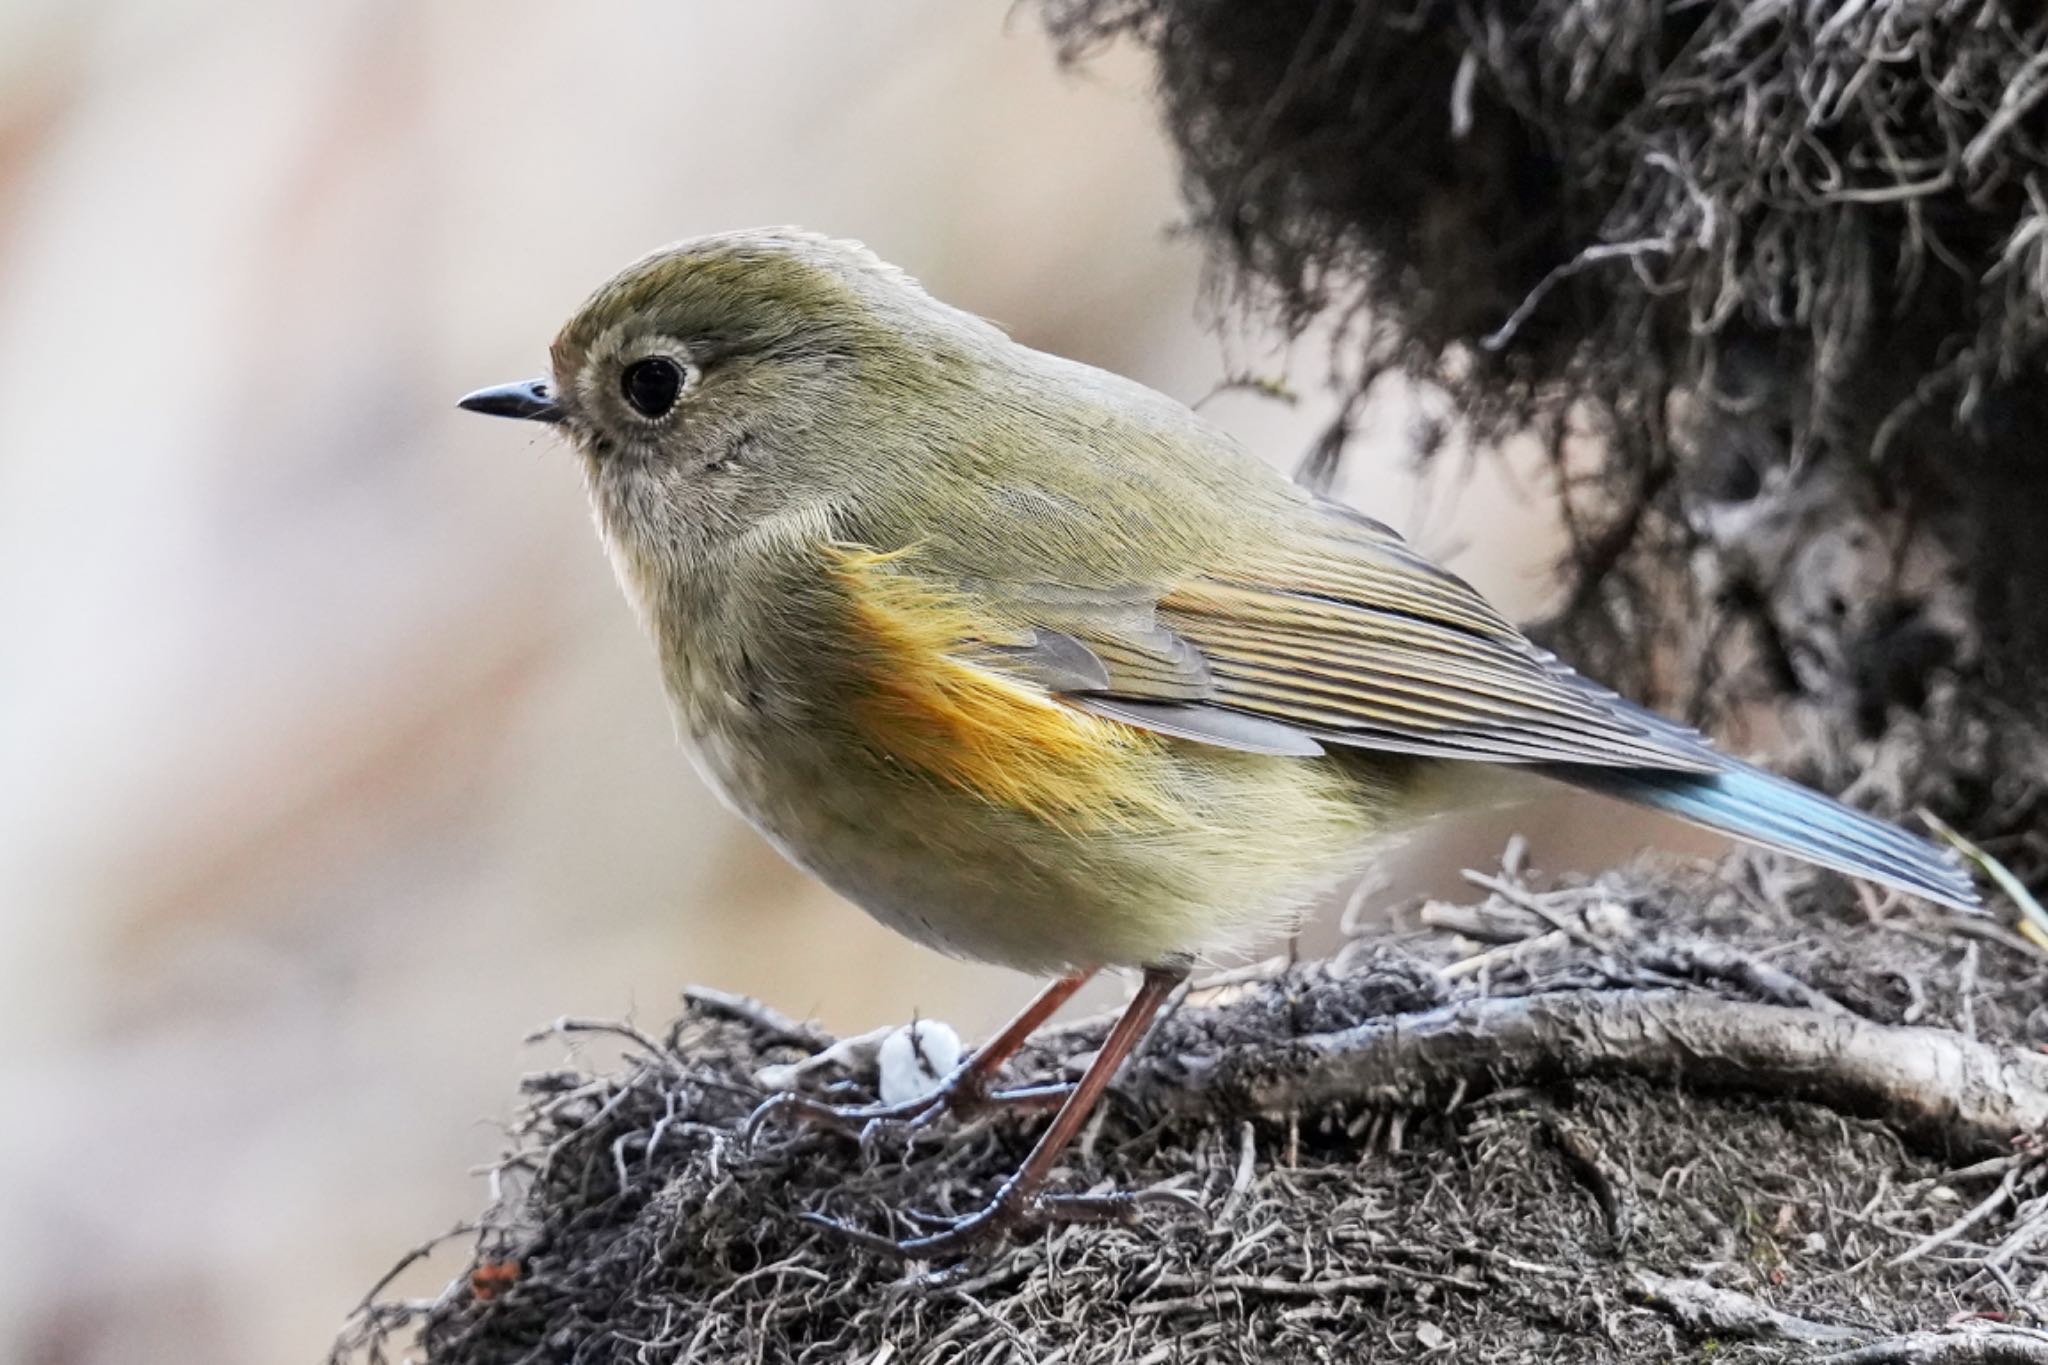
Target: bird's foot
1014,1208
965,1094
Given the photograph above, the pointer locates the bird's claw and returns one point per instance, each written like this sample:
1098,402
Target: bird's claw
963,1093
860,1121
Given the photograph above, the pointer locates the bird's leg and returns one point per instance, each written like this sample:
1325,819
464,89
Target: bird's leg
968,1090
1019,1201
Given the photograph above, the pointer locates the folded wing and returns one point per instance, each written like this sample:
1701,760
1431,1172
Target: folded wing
1345,637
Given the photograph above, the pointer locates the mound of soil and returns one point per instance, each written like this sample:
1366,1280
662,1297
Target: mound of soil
1655,1118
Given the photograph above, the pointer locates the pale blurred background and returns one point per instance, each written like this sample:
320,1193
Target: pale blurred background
331,759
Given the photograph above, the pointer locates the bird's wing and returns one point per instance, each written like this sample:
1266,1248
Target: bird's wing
1338,636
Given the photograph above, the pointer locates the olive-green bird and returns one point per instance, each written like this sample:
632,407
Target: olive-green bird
1039,667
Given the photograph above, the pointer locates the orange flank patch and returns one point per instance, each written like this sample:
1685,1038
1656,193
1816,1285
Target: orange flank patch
936,702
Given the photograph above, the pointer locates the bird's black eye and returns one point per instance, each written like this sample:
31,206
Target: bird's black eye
651,385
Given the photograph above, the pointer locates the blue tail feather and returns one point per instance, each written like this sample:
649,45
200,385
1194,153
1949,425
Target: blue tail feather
1761,808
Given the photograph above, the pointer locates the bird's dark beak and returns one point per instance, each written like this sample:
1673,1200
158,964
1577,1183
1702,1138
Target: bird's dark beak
530,399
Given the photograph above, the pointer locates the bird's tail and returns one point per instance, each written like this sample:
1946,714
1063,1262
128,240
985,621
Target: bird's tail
1762,808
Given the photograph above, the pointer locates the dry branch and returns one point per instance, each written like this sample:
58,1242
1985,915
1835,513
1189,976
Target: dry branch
1998,1346
1936,1087
1709,1310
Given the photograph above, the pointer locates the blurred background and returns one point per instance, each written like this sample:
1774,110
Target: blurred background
331,759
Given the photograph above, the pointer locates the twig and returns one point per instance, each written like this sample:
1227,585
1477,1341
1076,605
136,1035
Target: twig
1936,1087
1997,1346
1515,895
2028,1233
2033,924
1590,256
1990,1204
1502,952
1266,969
617,1028
412,1258
1484,923
1334,1287
1591,1168
2021,95
1709,1310
1706,960
1247,1166
1966,989
771,1023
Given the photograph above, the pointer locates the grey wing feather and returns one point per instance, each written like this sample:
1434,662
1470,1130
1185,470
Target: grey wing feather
1054,660
1207,724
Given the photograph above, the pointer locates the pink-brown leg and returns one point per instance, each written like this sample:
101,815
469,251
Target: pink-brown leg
1020,1201
968,1090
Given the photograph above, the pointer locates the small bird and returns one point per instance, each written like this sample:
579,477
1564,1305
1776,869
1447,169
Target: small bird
1039,667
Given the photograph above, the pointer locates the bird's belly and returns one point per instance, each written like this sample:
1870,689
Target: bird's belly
1242,842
